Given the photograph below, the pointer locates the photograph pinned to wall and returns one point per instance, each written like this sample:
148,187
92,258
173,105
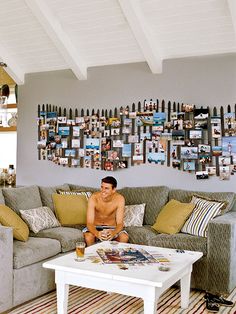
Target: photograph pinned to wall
178,124
149,105
162,145
105,144
144,119
187,107
70,152
201,124
70,122
137,159
61,120
188,152
124,111
224,161
224,172
117,143
81,152
174,152
58,151
204,159
132,114
87,161
203,148
216,130
228,145
211,171
202,175
79,120
115,131
126,150
42,144
168,125
188,124
97,164
159,118
123,164
156,157
215,120
76,131
133,138
176,163
103,122
201,114
166,136
96,154
229,119
43,153
114,122
92,143
51,117
43,135
106,133
64,130
126,130
150,146
63,161
138,148
195,134
189,166
108,165
216,150
177,137
44,127
113,155
75,162
173,115
64,142
145,136
127,122
75,143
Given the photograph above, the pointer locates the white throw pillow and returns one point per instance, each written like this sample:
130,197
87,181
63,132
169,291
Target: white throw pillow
39,218
134,215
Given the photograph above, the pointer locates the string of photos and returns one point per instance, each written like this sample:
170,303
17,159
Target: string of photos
173,134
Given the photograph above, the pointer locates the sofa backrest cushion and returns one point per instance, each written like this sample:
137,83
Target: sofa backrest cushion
155,197
47,191
22,198
2,200
186,196
83,188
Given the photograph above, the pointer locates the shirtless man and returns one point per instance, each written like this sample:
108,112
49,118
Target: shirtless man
105,214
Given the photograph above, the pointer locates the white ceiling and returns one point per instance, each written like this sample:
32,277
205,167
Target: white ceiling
46,35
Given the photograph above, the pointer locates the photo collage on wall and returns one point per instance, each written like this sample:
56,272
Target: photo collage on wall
183,136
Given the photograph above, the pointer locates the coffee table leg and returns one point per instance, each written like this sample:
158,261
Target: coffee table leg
62,298
150,307
185,289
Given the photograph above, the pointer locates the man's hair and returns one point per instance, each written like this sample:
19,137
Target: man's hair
110,180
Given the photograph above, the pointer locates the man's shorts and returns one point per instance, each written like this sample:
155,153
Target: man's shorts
100,228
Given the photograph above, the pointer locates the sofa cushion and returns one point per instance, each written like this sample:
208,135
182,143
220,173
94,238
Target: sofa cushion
140,235
179,241
155,197
172,217
39,218
82,188
186,196
22,198
33,251
87,194
70,209
9,218
47,191
2,200
67,236
134,215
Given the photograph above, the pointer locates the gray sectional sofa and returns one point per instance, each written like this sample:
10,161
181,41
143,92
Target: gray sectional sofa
23,278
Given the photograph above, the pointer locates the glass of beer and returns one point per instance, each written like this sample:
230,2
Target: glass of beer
80,248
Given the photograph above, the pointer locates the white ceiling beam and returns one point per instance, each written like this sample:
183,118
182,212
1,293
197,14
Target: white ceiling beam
12,69
232,9
143,34
57,34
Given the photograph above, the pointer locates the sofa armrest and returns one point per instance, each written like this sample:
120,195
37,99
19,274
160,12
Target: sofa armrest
6,268
221,244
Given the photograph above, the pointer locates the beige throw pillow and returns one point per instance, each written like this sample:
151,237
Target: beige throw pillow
9,218
134,215
172,217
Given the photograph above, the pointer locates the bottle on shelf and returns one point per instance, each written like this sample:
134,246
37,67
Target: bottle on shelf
4,177
11,180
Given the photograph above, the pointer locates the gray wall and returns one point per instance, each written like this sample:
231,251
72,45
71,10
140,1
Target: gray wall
201,81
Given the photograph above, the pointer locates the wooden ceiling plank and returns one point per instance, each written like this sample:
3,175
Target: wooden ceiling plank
143,34
59,37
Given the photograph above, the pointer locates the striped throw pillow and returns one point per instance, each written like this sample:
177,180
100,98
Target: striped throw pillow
87,194
204,211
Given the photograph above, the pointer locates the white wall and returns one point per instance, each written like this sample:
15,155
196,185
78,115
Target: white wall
7,149
202,81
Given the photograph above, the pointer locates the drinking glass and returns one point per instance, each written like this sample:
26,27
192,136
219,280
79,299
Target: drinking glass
80,249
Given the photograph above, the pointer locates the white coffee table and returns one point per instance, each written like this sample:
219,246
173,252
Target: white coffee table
146,282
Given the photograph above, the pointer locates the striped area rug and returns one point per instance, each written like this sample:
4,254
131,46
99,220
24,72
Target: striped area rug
89,301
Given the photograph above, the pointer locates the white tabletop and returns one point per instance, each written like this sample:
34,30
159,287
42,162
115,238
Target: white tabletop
145,274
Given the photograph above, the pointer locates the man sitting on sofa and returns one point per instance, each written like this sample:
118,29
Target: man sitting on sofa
105,214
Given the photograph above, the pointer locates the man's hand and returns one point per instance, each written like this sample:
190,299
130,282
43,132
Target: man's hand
105,235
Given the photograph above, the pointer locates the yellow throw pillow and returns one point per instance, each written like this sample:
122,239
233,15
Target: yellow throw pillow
9,218
172,217
70,209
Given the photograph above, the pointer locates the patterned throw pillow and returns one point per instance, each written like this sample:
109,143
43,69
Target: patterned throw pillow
39,218
204,211
87,194
134,215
